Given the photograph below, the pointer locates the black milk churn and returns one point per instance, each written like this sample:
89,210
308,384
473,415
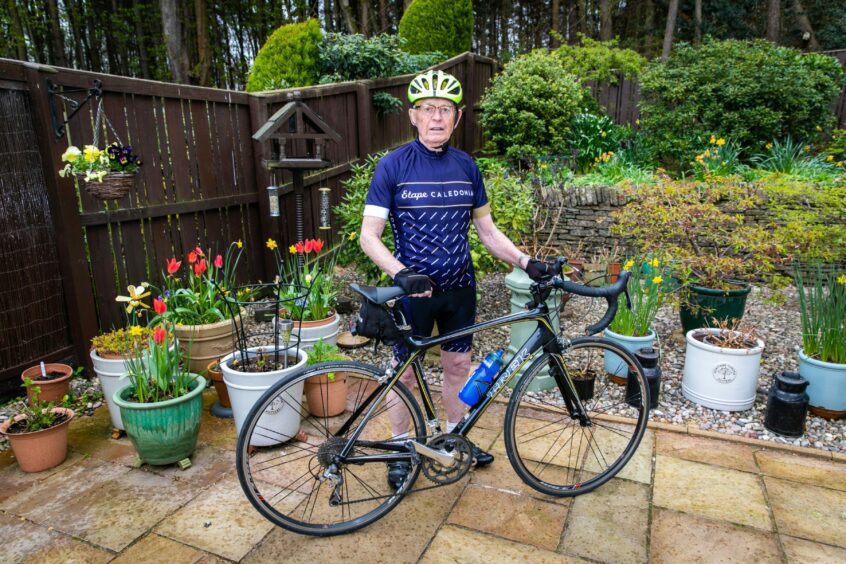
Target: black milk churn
787,405
648,358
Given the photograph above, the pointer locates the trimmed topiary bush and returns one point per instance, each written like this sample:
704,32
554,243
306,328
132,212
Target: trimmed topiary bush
289,57
749,91
529,107
438,25
600,60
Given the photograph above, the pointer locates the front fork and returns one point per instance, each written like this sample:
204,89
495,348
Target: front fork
565,384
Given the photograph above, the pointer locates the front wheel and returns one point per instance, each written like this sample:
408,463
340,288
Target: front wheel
295,475
554,450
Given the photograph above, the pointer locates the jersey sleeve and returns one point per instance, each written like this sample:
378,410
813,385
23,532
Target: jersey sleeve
380,197
481,206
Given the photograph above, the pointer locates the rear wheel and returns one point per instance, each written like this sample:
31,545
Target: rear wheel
283,466
558,453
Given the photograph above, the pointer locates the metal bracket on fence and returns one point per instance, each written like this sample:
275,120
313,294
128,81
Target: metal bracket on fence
52,95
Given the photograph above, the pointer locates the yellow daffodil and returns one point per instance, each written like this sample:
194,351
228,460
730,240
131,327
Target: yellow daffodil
807,148
657,280
720,142
292,249
135,331
830,158
841,279
71,155
308,278
629,264
655,263
637,122
239,243
713,140
819,128
602,134
352,236
133,300
839,163
271,244
768,146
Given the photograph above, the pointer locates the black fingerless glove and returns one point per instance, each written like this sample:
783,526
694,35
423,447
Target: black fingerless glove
412,282
537,270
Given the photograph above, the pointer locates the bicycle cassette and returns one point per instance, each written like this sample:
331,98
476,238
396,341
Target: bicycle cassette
462,451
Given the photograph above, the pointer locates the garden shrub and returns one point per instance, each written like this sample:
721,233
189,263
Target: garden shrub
353,57
438,25
289,57
529,107
599,60
751,91
512,207
593,139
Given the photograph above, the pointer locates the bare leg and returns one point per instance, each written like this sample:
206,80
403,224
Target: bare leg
456,367
397,412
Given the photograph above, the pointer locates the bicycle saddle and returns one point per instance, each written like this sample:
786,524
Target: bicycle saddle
376,294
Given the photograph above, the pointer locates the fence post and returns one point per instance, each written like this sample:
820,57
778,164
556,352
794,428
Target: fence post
470,97
362,98
261,152
76,282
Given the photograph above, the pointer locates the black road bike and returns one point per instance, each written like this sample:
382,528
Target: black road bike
568,427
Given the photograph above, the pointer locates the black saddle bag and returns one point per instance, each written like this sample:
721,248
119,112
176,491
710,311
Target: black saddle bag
377,322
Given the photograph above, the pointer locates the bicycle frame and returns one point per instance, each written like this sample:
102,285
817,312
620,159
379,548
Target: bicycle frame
542,338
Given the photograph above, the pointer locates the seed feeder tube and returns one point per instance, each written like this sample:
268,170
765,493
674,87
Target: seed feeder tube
324,207
273,200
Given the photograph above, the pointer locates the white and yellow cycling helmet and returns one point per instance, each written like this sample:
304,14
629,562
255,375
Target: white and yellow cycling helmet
435,84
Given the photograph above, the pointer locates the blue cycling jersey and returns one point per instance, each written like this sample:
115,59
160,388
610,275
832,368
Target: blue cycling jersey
429,198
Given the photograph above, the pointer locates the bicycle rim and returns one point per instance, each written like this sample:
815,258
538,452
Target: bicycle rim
281,464
552,451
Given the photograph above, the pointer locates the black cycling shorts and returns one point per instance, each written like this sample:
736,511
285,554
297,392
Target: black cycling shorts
451,309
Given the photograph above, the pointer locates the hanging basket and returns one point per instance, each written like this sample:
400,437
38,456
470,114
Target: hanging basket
114,185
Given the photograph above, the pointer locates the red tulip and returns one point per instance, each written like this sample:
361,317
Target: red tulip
200,267
159,335
173,265
159,306
199,252
192,257
309,245
218,261
299,247
318,245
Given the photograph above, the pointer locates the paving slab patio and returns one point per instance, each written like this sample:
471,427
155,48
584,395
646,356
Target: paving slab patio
685,498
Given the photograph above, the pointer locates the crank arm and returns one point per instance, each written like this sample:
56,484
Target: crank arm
444,458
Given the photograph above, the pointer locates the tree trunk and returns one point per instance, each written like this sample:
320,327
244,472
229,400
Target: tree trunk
384,25
364,13
572,22
554,24
141,39
672,11
809,38
176,57
774,21
583,20
57,41
697,22
17,30
203,58
503,29
349,17
606,30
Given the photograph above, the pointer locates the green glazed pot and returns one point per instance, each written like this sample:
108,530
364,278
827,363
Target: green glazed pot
710,303
163,432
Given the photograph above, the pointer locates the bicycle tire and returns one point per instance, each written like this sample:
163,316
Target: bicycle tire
571,466
262,469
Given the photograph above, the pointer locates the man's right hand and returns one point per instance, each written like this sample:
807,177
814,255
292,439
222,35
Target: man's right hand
412,282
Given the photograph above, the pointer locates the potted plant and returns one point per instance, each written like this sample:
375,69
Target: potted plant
822,358
52,379
714,250
38,434
162,404
194,305
215,374
721,366
107,173
632,328
327,394
314,316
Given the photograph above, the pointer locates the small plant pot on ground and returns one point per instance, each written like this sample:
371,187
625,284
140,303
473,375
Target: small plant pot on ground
326,398
584,386
54,386
826,386
37,451
704,304
615,366
719,377
163,432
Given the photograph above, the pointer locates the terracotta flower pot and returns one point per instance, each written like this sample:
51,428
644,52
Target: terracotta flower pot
205,343
216,376
325,398
53,389
39,450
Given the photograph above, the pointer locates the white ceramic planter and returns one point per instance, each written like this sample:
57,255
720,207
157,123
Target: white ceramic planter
245,389
312,331
613,363
720,378
113,376
826,383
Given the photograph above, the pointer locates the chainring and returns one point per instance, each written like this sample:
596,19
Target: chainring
456,445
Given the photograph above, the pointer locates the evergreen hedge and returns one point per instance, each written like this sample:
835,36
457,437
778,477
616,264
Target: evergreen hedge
438,25
290,57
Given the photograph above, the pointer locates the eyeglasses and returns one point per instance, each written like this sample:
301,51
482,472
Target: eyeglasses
429,110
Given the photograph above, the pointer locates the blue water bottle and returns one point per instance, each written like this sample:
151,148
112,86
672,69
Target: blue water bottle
479,382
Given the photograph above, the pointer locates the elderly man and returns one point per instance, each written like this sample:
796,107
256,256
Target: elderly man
430,191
